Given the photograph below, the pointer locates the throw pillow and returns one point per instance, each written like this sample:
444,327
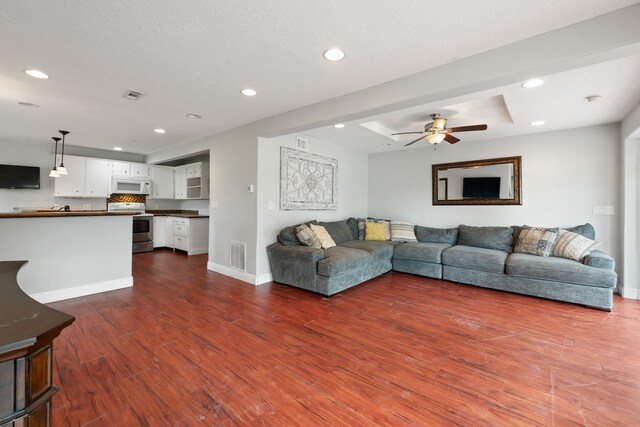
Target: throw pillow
326,241
361,223
307,237
387,228
536,241
374,231
573,245
436,235
402,232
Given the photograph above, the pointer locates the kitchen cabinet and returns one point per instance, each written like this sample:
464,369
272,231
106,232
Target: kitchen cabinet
162,182
140,170
180,182
168,232
72,184
159,231
98,178
121,169
192,181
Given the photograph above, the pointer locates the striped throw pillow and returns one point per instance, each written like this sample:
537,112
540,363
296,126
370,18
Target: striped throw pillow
307,237
402,232
573,246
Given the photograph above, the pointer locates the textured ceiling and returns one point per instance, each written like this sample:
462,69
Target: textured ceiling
194,56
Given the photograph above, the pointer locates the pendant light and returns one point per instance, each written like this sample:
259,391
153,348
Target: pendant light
61,169
54,172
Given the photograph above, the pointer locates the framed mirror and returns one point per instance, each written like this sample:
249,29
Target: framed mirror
478,182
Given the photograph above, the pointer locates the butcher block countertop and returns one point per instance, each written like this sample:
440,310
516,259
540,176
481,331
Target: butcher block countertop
48,214
180,213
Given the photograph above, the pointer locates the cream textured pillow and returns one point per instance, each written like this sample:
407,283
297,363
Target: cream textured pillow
573,246
402,232
307,237
326,241
387,228
536,241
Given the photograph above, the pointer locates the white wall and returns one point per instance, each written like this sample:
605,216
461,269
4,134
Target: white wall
564,174
352,189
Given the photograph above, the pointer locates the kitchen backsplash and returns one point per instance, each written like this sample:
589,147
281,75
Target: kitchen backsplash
127,198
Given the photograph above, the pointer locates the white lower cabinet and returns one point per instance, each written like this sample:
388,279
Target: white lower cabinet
186,234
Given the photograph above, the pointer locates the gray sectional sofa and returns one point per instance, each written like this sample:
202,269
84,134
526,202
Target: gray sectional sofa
480,256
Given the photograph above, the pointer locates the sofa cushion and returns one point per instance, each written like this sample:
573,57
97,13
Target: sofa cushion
536,241
558,270
340,259
307,237
437,235
325,239
380,250
402,231
353,226
416,251
287,235
374,231
600,260
585,230
473,258
573,246
338,230
500,238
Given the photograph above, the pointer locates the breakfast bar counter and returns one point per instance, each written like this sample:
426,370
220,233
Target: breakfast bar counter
70,254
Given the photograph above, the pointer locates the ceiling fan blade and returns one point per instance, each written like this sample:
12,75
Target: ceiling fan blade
414,141
450,138
405,133
468,128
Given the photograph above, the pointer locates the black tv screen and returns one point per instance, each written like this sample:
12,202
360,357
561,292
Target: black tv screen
20,177
481,188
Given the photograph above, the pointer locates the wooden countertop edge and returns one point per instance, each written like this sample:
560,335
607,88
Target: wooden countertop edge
63,214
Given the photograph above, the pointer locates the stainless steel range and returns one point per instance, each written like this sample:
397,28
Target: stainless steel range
142,225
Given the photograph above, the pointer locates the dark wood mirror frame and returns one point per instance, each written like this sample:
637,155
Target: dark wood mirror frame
517,176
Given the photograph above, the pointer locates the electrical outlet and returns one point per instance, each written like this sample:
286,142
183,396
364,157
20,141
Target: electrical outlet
603,210
86,206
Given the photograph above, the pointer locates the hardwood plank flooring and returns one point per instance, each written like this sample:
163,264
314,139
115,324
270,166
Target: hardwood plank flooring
189,347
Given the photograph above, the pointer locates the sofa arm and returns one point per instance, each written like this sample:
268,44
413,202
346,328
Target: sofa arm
294,265
599,259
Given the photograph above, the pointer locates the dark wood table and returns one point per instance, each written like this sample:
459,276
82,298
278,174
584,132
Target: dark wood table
27,331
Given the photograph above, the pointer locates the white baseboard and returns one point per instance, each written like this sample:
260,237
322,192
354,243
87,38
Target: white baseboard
228,271
81,291
264,278
627,292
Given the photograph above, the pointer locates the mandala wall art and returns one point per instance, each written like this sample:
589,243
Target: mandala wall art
307,181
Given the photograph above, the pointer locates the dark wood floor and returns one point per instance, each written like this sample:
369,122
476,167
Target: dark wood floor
186,346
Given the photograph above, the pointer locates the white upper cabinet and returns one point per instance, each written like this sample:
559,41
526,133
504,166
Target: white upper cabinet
162,182
121,169
72,184
98,178
140,170
180,175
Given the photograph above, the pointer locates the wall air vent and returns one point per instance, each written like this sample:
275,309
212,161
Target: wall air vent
237,256
133,95
302,144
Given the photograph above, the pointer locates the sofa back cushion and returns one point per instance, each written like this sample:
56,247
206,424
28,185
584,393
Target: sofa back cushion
287,235
585,230
307,237
338,230
436,235
500,238
353,226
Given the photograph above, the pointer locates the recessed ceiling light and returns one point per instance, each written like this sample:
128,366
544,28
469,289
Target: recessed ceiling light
338,125
29,104
248,92
537,123
593,98
37,74
334,54
194,116
533,83
159,130
117,148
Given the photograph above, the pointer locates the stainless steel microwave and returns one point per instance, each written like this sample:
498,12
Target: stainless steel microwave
128,185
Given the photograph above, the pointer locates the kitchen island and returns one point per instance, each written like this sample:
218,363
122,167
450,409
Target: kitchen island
70,254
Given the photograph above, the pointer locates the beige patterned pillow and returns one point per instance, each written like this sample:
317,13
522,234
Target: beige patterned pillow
536,241
326,241
307,237
573,245
402,232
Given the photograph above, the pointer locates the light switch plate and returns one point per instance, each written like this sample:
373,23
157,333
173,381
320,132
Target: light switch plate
270,205
603,210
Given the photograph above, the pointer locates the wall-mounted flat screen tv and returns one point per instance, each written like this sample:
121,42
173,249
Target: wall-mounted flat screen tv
19,177
481,188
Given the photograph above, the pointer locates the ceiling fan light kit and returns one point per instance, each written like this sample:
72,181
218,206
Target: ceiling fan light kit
436,132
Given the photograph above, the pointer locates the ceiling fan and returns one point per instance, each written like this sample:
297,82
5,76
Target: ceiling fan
435,132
